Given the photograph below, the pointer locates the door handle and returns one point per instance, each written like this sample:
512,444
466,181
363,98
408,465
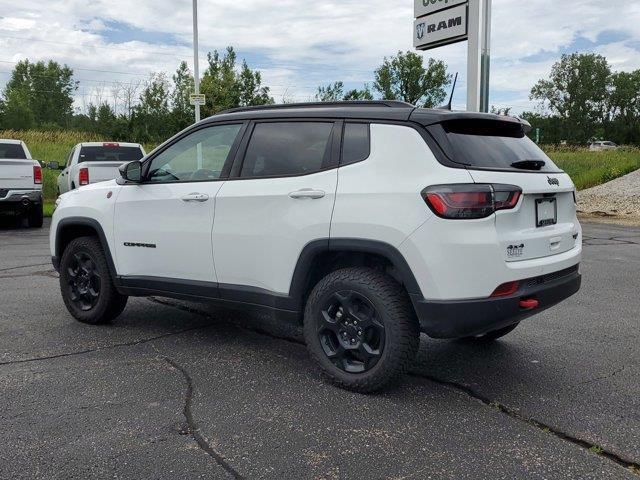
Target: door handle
307,193
196,197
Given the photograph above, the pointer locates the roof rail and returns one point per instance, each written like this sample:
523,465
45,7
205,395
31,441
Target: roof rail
355,103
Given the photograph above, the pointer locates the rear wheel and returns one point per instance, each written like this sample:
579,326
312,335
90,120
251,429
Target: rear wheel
496,334
35,217
86,284
360,328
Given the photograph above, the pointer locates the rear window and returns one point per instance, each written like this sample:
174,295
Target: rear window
488,144
109,154
356,145
12,150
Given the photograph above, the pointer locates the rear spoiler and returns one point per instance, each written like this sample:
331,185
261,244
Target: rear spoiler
432,117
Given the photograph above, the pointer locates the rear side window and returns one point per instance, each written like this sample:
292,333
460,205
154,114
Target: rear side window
489,144
108,153
356,144
12,150
279,149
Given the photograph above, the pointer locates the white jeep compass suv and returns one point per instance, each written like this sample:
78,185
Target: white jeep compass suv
368,222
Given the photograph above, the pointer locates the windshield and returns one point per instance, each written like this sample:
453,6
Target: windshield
110,154
491,144
12,150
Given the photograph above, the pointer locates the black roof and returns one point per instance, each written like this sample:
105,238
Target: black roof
362,110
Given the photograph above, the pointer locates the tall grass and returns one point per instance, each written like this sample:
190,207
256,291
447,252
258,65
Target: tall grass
53,146
588,169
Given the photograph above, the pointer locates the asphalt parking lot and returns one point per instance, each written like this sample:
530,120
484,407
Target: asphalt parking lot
177,390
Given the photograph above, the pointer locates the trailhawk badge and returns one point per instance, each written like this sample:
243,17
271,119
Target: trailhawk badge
515,251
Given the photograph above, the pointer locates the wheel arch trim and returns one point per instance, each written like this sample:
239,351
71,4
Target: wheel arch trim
303,268
94,225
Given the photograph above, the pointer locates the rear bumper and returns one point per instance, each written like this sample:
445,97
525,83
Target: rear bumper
20,202
462,318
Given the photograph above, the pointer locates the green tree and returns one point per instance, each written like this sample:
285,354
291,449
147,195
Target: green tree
37,94
182,112
577,91
335,93
623,125
330,93
151,116
355,94
226,88
405,77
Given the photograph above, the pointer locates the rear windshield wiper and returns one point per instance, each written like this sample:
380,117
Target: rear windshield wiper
529,164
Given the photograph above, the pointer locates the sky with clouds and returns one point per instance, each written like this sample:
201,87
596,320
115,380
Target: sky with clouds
298,45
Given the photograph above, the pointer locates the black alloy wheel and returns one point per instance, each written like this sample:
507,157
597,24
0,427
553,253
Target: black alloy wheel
351,332
84,281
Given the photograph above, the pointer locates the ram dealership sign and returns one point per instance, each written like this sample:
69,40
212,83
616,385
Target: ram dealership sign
443,23
425,7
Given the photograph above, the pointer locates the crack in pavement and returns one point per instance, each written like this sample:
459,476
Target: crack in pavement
44,273
192,426
598,379
630,465
24,266
100,349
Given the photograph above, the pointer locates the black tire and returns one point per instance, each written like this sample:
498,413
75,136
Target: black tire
86,284
354,367
35,217
492,336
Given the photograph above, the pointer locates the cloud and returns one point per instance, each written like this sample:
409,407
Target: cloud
299,45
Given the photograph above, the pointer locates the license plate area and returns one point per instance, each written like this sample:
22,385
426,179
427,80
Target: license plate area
546,212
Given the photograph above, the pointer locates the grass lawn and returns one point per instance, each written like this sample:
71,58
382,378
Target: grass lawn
587,169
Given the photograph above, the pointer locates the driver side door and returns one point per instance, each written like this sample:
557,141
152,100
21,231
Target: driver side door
163,226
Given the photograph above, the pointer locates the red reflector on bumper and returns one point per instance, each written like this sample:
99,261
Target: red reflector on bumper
506,289
529,304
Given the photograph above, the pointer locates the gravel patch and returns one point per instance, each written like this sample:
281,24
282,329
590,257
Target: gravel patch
619,198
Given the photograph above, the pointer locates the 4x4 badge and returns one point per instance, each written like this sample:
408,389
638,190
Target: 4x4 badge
553,181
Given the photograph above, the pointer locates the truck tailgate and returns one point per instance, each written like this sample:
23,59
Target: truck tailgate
16,174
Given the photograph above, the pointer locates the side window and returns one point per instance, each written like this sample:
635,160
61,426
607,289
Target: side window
70,157
287,148
356,143
199,156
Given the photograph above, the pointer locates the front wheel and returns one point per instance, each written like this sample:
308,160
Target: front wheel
360,328
86,284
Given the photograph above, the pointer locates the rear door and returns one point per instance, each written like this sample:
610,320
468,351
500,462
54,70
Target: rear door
16,171
544,222
279,199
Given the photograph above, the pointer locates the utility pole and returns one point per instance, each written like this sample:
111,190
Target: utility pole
196,66
479,56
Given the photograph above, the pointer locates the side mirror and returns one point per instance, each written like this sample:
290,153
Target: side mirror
53,166
131,172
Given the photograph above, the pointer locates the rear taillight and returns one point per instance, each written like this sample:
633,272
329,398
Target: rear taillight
467,201
37,175
506,289
83,177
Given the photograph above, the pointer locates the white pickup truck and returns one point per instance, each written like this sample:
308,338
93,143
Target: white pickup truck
20,183
96,162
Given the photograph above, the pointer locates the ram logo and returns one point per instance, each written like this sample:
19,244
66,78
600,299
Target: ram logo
420,29
553,181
